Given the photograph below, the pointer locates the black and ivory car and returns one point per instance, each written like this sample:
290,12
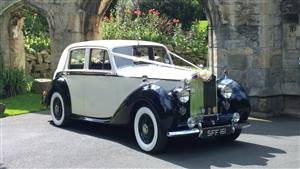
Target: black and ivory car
137,83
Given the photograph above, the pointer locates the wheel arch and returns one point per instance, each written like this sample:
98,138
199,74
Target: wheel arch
150,94
60,85
239,101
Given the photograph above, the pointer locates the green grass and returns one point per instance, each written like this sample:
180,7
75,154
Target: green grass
22,104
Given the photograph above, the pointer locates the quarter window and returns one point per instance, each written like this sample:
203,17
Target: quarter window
99,60
77,58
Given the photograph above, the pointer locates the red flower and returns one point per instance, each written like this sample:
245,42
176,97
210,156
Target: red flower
175,21
151,10
138,12
156,13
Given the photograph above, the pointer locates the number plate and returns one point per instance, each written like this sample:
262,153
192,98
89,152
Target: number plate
216,132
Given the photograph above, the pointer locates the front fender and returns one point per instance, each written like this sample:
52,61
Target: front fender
151,94
238,101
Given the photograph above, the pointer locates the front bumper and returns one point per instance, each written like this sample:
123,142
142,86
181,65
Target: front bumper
199,130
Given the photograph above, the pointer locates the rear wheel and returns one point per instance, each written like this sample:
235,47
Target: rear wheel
59,112
230,137
148,133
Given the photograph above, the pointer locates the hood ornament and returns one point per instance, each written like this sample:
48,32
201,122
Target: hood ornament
204,74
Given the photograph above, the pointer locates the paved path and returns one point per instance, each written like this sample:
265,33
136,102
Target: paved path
31,141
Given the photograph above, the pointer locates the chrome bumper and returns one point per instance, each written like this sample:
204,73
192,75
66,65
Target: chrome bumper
197,130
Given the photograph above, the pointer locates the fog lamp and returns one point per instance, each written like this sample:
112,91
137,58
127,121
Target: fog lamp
191,122
236,117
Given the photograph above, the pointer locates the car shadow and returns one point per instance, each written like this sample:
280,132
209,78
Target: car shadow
188,152
2,166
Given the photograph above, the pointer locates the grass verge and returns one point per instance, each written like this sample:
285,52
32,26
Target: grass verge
22,104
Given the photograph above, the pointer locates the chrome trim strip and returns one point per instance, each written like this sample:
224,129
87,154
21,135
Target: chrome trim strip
94,120
196,130
183,132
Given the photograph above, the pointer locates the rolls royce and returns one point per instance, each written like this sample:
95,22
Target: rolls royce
138,83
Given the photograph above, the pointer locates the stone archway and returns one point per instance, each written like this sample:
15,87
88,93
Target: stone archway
12,39
69,22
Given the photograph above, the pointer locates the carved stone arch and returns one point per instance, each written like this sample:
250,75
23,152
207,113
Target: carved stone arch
11,37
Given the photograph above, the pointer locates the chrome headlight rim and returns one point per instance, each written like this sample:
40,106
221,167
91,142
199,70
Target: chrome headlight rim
182,94
236,117
226,91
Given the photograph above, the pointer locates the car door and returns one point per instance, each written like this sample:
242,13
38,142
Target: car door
99,92
74,75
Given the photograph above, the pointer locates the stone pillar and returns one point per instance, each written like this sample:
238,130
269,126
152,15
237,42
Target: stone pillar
291,55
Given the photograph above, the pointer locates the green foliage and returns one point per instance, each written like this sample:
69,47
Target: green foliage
35,44
36,31
186,10
123,23
192,44
13,82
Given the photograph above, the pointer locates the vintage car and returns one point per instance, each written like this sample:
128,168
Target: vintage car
136,83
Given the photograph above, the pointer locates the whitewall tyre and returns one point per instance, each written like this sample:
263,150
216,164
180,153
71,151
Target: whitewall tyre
147,130
59,112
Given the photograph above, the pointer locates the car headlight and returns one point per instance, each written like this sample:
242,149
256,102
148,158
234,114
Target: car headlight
182,94
226,91
236,117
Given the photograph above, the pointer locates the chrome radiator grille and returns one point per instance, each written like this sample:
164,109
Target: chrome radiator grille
203,98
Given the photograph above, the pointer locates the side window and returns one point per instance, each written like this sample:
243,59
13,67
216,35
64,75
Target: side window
77,59
161,55
99,60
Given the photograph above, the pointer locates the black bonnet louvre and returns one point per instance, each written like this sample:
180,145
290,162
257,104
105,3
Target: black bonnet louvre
210,93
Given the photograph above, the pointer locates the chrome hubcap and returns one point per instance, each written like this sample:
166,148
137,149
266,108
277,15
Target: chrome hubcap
56,108
145,129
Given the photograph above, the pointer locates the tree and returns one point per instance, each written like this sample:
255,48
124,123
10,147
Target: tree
95,10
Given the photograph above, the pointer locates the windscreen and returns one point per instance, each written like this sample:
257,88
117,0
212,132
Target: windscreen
153,53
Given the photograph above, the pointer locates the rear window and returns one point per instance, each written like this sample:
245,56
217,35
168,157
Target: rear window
77,59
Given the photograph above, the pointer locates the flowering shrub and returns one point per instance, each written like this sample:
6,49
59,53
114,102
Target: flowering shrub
151,26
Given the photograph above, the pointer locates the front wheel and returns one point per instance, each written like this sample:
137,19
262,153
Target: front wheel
148,133
59,112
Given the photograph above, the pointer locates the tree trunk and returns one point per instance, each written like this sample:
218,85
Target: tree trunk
94,12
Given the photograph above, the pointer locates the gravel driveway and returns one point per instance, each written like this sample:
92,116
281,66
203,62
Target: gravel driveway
31,141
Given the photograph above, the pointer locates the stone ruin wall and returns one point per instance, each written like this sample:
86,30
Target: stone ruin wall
257,41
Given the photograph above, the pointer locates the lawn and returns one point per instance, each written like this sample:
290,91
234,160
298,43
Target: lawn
22,104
